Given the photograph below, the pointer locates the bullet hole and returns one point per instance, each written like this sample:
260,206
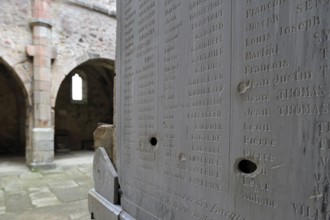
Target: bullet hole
182,157
246,166
153,141
243,86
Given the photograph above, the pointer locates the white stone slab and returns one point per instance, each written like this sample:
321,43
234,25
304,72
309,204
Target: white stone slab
223,109
105,176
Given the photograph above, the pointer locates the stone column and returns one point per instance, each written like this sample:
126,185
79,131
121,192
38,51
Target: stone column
42,151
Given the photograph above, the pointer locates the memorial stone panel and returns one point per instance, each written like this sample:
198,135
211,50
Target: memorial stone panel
223,109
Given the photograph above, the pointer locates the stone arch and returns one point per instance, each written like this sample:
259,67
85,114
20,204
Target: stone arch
75,121
65,66
14,132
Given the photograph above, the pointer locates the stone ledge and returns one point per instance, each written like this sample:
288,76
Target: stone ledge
40,22
102,209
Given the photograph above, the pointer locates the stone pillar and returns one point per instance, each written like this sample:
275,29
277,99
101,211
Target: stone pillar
42,152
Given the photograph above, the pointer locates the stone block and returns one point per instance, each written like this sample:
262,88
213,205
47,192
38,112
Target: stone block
43,157
48,156
70,194
41,41
30,50
46,134
43,112
41,97
42,148
41,9
41,61
42,74
44,51
43,198
42,85
13,186
41,31
43,145
104,137
18,202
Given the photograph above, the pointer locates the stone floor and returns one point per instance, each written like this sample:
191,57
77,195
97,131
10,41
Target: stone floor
59,194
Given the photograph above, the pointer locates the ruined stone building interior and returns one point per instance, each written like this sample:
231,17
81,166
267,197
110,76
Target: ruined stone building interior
212,109
45,46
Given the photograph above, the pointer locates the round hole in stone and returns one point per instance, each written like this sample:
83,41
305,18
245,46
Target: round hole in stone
153,141
246,166
182,157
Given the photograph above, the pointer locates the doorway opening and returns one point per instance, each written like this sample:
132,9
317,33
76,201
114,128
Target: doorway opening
13,112
84,100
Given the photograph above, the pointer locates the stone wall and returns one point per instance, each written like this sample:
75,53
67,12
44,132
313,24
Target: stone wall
77,31
80,35
15,36
80,32
14,27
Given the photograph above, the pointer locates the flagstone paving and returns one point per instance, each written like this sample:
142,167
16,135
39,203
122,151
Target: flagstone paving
46,195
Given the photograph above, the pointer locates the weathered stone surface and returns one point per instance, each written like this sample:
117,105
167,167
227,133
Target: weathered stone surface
70,194
43,197
104,137
30,176
223,109
105,176
43,153
45,200
125,216
8,216
2,202
63,184
101,208
12,184
18,202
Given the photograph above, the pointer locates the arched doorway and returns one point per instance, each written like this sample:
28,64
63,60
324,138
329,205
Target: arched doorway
84,99
12,113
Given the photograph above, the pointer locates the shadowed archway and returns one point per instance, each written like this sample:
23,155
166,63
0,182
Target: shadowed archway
76,119
13,111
